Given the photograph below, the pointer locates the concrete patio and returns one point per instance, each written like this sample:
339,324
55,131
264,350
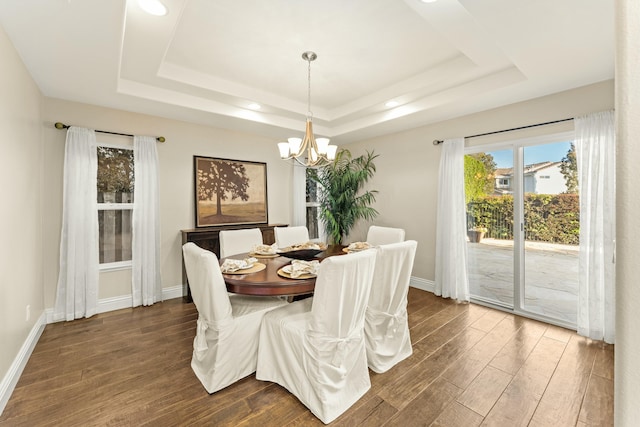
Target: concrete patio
551,276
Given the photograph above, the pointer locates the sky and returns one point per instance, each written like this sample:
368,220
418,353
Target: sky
534,154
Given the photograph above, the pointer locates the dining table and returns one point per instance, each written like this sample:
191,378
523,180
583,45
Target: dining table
267,281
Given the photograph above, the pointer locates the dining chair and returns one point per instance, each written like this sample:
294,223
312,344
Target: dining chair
238,241
287,236
386,327
315,347
225,348
377,235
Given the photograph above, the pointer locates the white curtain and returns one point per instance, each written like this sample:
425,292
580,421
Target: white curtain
77,291
451,244
595,150
299,196
145,257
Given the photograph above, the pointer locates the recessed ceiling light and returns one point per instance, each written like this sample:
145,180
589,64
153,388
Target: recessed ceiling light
428,1
392,104
153,7
254,106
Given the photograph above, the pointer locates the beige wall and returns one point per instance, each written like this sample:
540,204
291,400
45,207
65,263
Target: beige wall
627,374
184,140
407,169
21,178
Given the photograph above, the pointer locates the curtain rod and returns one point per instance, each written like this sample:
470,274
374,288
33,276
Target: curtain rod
439,141
59,125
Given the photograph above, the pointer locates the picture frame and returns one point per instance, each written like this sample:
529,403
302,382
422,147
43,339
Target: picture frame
229,192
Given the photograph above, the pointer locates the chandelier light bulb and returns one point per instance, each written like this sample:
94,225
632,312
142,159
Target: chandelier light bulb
331,152
322,144
294,146
283,147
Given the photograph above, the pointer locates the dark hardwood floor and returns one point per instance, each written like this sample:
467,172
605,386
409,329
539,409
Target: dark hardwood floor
471,366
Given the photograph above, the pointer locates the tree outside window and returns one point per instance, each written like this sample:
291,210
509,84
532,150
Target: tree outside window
115,205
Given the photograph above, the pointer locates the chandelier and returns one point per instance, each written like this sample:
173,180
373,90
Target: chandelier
308,151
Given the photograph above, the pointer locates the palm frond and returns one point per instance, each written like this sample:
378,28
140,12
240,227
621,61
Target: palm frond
341,182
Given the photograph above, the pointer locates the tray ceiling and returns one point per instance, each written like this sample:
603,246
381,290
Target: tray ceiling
206,61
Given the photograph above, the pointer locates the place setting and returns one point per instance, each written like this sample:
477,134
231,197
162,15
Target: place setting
264,251
357,247
300,269
241,266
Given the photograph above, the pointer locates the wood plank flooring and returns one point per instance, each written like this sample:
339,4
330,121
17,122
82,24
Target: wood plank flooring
471,366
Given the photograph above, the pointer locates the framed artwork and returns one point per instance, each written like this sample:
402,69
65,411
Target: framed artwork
229,191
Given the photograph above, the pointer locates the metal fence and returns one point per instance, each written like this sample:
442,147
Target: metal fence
499,226
557,220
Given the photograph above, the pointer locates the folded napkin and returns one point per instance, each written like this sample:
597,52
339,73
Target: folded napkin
232,265
264,249
358,246
299,267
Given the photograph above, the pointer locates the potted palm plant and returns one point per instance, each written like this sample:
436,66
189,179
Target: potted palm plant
342,202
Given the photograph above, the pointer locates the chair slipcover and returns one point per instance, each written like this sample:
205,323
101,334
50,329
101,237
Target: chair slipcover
377,236
234,242
225,348
315,347
287,236
386,327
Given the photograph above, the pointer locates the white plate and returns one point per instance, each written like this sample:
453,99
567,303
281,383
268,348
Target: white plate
287,269
286,272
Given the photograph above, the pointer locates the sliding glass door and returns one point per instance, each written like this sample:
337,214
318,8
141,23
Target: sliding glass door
489,200
523,227
551,231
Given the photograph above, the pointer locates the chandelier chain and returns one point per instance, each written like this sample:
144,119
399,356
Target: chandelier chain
309,113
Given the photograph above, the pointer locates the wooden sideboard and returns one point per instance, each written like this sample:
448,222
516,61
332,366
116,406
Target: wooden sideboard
208,238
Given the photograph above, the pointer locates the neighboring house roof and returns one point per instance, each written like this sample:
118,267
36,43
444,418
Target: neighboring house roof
502,172
528,169
535,167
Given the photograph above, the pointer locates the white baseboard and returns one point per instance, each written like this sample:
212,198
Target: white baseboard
424,284
172,292
12,376
124,301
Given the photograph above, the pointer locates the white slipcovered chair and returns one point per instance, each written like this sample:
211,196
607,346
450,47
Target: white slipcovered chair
386,327
287,236
315,347
238,241
225,348
377,235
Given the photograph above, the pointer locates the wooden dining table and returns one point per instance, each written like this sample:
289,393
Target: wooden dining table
268,282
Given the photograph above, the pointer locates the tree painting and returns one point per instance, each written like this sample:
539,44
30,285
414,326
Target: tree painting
223,180
230,191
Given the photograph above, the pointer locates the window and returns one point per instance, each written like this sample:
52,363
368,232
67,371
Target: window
545,177
504,182
115,205
313,206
